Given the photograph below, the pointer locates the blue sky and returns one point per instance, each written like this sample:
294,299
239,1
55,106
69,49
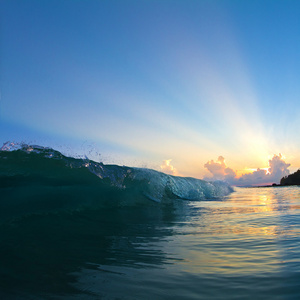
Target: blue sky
148,81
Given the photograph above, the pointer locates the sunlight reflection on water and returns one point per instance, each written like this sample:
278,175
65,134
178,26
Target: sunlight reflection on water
246,245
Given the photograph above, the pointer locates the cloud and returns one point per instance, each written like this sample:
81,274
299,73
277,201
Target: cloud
278,168
167,168
219,170
260,176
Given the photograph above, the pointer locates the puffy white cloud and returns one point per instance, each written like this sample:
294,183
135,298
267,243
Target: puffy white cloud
167,168
278,168
219,170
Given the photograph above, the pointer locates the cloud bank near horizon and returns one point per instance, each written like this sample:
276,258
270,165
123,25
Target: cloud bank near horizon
278,168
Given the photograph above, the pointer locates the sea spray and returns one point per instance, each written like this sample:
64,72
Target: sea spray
36,179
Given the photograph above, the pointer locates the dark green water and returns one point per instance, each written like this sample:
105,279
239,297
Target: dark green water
65,235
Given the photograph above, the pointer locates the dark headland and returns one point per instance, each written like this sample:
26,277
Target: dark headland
292,179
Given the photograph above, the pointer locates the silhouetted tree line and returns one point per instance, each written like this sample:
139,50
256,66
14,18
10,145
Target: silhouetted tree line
292,179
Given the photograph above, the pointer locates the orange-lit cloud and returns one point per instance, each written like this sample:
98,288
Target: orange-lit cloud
278,168
167,168
219,169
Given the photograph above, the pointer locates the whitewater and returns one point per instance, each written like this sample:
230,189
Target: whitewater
77,229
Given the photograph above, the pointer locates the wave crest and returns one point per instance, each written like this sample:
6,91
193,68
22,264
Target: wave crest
46,178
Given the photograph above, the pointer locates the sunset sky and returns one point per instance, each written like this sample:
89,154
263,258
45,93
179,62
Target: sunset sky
164,83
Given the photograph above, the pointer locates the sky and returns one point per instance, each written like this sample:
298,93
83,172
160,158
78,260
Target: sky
186,87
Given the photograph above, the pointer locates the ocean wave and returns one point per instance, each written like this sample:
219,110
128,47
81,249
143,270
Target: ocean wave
45,179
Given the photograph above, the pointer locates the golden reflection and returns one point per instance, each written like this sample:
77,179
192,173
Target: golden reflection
267,230
241,234
249,215
231,260
257,202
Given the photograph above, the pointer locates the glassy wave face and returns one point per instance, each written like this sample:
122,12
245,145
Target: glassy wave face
36,179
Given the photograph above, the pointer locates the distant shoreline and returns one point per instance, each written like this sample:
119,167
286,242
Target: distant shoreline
290,180
268,186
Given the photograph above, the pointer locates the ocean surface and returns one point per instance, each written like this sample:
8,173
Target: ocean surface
76,229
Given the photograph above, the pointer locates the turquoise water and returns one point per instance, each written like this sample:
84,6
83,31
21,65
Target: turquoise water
65,236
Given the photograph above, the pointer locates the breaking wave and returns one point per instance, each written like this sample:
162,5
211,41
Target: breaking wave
59,215
34,178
